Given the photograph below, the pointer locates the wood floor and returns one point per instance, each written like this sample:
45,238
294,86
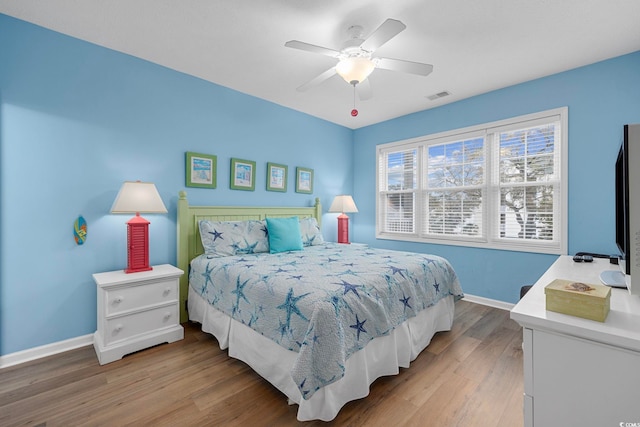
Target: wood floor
470,376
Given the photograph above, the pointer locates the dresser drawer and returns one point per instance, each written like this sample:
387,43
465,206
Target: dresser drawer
123,299
124,327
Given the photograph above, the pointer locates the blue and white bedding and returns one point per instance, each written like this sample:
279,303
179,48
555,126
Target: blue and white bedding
325,302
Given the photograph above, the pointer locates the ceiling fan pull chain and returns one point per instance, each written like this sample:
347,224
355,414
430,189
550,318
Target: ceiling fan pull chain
354,112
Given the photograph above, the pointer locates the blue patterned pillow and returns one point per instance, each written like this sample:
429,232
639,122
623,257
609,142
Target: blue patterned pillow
284,234
310,231
227,238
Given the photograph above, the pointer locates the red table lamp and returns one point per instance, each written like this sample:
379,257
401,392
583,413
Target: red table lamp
343,204
136,197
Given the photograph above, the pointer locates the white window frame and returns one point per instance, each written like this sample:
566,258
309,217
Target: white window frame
490,236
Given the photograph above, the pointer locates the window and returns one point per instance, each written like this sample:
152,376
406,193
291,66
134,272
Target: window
501,185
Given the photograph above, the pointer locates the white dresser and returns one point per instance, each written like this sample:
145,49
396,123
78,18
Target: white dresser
136,311
580,372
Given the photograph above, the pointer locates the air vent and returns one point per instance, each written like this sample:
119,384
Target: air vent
439,95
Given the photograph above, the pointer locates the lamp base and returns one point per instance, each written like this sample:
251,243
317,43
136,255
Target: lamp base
343,229
137,245
137,270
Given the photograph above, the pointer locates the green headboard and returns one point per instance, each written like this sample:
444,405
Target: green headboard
188,238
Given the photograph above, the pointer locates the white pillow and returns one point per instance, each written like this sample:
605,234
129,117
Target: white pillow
310,232
227,238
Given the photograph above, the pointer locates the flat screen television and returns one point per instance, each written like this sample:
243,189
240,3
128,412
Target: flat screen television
627,213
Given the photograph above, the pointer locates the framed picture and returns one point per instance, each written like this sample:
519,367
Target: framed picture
276,177
201,170
304,180
243,175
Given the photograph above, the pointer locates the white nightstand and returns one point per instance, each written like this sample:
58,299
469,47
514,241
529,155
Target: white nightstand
136,311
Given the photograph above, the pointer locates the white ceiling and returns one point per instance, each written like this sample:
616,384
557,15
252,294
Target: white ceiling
475,45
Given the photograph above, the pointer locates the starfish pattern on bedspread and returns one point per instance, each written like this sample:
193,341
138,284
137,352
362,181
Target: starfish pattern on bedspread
349,287
359,327
207,278
323,310
239,292
395,270
405,300
290,306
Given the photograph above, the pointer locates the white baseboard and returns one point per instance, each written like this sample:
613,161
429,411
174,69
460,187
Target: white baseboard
490,302
45,350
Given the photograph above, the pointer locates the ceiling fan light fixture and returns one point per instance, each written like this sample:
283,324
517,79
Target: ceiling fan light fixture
355,69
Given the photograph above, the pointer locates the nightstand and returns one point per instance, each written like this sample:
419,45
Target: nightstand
136,311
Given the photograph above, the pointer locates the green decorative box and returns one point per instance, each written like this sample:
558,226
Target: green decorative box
578,299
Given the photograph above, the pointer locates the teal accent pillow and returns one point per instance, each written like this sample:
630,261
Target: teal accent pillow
284,234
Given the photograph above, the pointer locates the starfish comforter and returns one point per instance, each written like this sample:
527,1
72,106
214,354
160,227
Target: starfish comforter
325,302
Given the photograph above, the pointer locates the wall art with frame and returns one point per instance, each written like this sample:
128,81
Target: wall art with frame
243,175
276,177
201,170
304,180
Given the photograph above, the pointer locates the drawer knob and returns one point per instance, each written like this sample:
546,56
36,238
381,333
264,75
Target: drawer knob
167,316
118,328
117,300
166,292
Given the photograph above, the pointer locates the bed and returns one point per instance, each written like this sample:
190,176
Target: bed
318,320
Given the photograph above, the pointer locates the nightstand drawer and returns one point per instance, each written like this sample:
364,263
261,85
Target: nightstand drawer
124,299
124,327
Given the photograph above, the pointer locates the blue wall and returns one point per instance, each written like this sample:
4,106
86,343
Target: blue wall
76,120
601,98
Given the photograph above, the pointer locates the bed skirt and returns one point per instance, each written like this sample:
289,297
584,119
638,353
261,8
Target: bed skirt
362,368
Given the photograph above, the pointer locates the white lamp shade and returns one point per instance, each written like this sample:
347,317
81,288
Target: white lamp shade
136,196
343,204
355,69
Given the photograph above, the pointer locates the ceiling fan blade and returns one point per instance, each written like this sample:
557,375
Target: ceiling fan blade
385,32
405,66
364,90
317,80
295,44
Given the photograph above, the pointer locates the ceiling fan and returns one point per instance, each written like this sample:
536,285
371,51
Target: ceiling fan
356,60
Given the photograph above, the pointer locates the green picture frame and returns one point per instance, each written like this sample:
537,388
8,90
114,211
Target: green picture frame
277,177
243,175
201,170
304,180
